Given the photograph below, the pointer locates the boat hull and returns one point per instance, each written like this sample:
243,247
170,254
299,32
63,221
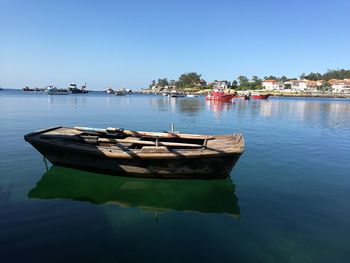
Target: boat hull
206,167
260,97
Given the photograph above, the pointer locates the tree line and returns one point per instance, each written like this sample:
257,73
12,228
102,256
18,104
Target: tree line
193,79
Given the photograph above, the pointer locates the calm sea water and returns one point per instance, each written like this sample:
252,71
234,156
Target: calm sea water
287,199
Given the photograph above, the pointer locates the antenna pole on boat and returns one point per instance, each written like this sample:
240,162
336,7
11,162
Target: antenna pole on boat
172,127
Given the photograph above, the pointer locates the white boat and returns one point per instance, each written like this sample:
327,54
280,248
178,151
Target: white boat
120,92
110,90
52,90
192,95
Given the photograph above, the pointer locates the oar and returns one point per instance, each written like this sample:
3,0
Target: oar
145,134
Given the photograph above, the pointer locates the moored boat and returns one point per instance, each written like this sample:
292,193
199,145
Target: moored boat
218,94
175,94
74,89
259,96
242,97
110,90
28,89
52,90
140,154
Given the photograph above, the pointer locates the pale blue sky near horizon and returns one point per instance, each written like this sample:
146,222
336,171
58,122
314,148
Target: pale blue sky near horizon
130,43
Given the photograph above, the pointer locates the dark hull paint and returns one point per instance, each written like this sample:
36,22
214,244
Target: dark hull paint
218,167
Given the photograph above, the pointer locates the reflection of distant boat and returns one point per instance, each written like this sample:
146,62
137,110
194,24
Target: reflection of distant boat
52,90
260,96
215,196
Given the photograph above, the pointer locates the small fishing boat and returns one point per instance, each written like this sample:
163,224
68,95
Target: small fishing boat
259,96
110,90
175,94
141,154
192,95
120,92
74,89
218,94
28,89
52,90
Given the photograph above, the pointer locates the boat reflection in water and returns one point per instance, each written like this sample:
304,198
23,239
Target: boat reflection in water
156,195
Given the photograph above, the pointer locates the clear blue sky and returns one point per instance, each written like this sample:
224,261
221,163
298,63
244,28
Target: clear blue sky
133,42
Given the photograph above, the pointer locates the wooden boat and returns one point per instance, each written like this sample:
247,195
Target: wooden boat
150,195
259,96
141,154
219,95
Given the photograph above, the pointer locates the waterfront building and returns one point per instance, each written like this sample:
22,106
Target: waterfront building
272,84
340,85
305,84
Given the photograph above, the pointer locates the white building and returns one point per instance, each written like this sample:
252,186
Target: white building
223,84
305,84
339,85
271,84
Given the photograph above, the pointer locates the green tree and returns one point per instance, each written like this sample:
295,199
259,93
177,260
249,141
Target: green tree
163,82
234,84
270,77
283,78
336,74
314,76
188,79
243,81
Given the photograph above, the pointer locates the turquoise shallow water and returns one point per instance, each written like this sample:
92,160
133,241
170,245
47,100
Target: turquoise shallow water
287,199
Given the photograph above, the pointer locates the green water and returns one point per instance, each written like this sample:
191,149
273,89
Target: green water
287,199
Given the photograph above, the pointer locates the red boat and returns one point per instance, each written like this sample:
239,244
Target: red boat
219,95
260,96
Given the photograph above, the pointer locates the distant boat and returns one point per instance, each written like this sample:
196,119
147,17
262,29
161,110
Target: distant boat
175,94
52,90
242,97
218,94
259,96
28,89
1,88
74,89
110,90
192,95
120,92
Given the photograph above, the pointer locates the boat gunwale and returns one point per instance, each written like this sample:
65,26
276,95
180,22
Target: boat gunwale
127,153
